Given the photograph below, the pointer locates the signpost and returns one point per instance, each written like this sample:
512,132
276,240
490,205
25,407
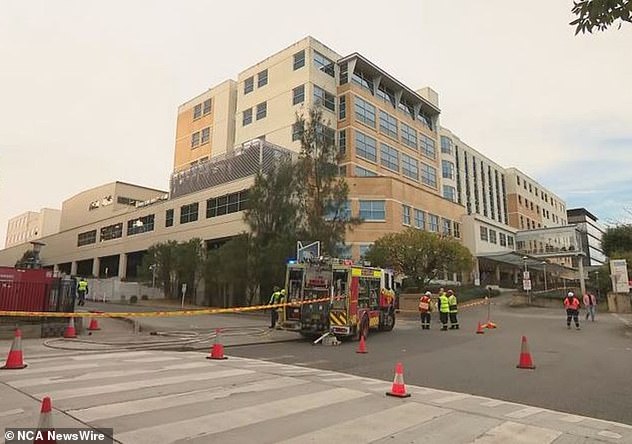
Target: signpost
184,291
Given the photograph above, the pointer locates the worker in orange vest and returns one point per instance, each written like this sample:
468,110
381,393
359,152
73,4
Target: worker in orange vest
425,309
571,304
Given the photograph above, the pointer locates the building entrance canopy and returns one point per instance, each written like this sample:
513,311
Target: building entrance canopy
533,263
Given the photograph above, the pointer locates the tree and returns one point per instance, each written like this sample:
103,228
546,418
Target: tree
190,257
420,255
162,256
324,192
617,239
600,14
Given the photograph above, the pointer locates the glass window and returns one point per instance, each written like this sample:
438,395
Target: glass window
447,169
484,234
111,232
428,175
206,135
364,112
298,95
388,124
342,107
344,73
197,111
405,215
510,241
363,172
169,218
262,78
389,157
324,98
449,193
372,210
87,238
446,145
447,226
195,139
323,63
140,225
364,249
299,60
406,107
420,219
386,94
457,229
362,79
262,110
342,142
189,213
297,131
249,85
502,239
207,106
409,136
226,204
433,222
410,167
425,120
492,236
326,133
427,146
344,212
247,117
365,146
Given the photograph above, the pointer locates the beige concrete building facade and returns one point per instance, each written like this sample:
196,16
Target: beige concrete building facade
31,226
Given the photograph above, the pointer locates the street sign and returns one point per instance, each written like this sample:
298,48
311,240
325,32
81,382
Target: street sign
526,275
526,284
184,291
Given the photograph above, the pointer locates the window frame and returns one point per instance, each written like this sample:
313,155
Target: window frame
387,155
410,167
262,110
249,85
246,117
192,213
427,172
373,213
299,59
326,99
298,95
387,123
262,78
362,152
408,136
363,110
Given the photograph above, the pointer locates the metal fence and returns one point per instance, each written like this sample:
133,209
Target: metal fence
56,294
245,161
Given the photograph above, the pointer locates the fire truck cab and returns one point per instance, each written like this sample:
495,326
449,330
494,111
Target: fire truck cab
357,298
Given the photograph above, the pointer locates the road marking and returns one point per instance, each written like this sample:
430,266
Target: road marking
135,385
493,403
308,363
100,356
32,371
571,418
280,357
229,420
29,382
518,433
452,398
153,359
339,378
609,434
523,413
11,412
372,427
179,399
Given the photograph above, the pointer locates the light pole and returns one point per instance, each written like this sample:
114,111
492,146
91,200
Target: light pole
152,267
525,276
544,264
597,283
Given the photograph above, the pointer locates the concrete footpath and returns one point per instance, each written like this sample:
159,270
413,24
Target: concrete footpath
163,397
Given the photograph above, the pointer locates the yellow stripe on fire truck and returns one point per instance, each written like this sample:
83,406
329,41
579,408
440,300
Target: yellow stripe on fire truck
337,318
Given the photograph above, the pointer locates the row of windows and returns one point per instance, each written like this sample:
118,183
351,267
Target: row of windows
200,137
447,146
262,80
365,112
366,148
541,194
261,112
489,235
202,109
324,98
528,224
427,221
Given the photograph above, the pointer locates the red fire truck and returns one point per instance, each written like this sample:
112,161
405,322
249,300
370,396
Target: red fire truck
357,298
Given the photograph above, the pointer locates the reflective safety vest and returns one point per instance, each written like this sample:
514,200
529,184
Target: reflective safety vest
82,286
444,305
573,304
424,304
452,303
275,298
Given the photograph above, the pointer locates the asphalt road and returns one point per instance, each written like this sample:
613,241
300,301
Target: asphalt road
584,372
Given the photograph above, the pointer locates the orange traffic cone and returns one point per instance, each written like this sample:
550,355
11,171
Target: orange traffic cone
94,325
399,388
479,329
217,351
15,359
525,356
45,424
362,346
70,332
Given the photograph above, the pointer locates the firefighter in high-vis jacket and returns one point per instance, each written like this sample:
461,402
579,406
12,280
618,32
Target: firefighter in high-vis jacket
452,304
444,310
274,299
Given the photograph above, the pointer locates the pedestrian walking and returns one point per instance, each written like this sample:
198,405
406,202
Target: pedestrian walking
274,299
590,302
82,291
571,304
444,311
452,305
425,308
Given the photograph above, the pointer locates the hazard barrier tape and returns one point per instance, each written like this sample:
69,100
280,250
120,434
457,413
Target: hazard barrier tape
150,314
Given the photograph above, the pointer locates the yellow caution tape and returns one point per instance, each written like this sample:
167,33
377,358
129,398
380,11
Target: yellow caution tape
152,314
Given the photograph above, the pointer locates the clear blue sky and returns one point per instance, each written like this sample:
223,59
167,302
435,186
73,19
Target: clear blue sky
89,90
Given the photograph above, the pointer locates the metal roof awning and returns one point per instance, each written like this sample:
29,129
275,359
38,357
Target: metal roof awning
519,260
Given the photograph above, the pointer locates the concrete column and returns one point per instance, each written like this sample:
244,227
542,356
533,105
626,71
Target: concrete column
122,267
582,282
95,267
497,273
477,273
73,268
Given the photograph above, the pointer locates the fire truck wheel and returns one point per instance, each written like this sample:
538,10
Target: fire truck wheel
389,322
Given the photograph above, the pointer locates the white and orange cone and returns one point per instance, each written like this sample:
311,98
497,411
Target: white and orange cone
70,332
15,359
217,351
45,424
399,388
